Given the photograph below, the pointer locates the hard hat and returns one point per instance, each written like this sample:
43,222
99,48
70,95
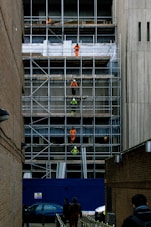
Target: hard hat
75,147
74,80
73,99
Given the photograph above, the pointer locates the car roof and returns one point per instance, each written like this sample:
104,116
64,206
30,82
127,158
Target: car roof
45,203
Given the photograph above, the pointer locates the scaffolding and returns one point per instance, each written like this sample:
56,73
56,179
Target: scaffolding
50,65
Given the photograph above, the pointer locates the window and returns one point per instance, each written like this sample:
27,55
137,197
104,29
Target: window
139,31
148,31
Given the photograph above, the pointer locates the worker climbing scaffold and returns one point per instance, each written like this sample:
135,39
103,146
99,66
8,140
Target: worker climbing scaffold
75,150
73,133
73,104
73,86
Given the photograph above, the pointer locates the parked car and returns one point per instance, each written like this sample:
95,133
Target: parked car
100,214
43,212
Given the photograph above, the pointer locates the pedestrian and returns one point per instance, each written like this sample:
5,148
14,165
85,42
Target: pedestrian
100,216
75,212
66,210
25,216
74,85
72,135
141,213
76,50
73,104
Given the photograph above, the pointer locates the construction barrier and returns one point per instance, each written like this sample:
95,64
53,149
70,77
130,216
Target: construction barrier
88,221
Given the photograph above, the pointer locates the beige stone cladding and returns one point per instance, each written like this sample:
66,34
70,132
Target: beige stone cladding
11,130
133,23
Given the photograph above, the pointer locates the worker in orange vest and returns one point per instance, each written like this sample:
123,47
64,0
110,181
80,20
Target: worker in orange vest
49,20
73,134
76,50
73,86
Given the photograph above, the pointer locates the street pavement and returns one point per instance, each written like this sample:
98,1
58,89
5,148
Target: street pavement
40,225
47,225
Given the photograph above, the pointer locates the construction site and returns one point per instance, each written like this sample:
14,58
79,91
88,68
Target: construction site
72,96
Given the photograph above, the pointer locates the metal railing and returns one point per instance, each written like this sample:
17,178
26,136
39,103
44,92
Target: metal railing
59,221
66,48
68,20
88,221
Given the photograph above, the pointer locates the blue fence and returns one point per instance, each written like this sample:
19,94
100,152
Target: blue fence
89,192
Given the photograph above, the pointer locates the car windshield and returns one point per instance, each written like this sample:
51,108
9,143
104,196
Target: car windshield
39,207
50,207
35,207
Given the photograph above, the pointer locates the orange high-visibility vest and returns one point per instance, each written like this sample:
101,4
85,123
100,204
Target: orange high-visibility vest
74,84
73,134
76,47
76,50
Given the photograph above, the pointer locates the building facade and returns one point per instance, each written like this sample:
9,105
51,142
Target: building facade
70,132
11,130
112,113
131,174
133,23
126,176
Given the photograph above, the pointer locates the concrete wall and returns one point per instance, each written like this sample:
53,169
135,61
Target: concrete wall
132,174
11,131
136,70
124,179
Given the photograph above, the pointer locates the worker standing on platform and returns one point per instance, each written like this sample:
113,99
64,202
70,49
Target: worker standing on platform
49,20
73,135
76,50
73,104
73,86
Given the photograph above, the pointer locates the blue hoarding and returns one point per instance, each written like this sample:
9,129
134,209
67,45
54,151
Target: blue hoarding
89,192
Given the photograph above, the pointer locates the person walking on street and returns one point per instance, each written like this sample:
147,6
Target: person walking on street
141,215
25,216
73,86
75,212
66,210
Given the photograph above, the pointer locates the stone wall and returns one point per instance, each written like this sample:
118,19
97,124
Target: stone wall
11,131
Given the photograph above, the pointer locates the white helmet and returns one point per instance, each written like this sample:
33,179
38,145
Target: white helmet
74,80
73,99
75,147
